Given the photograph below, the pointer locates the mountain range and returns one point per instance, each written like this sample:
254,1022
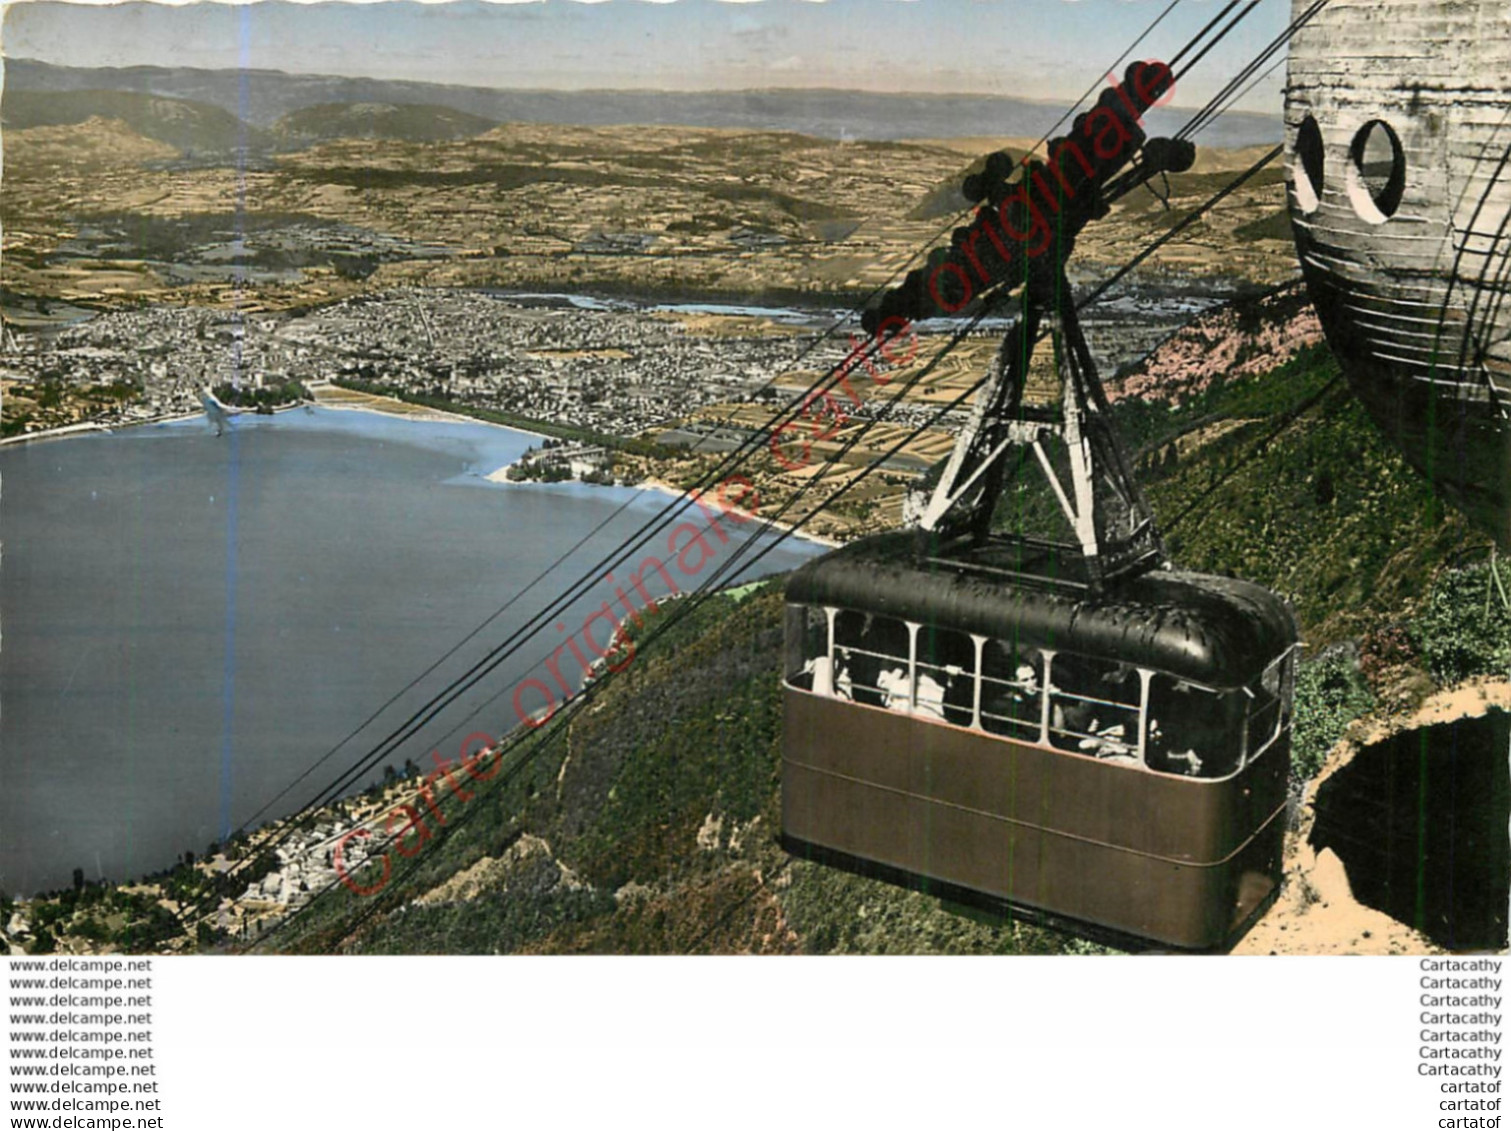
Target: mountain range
274,101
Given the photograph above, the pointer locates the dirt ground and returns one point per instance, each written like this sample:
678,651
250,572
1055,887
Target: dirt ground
1316,912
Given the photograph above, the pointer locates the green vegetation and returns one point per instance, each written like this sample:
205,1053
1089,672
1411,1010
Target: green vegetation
267,396
1148,424
15,425
119,390
839,913
1464,628
1187,190
793,206
538,471
1275,226
390,121
1313,504
1279,478
658,803
1330,694
645,822
103,915
53,402
505,176
1282,479
544,467
273,241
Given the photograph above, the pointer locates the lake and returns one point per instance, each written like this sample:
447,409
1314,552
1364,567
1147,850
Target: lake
190,622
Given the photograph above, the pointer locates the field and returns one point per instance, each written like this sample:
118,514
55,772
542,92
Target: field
100,212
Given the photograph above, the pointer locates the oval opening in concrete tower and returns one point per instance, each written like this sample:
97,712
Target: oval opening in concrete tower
1419,822
1307,168
1376,172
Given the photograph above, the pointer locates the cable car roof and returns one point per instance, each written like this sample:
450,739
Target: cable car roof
1215,631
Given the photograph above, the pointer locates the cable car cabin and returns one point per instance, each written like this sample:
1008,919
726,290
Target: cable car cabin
1118,759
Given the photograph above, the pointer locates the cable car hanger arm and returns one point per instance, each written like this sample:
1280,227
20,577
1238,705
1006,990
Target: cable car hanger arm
1099,499
1026,224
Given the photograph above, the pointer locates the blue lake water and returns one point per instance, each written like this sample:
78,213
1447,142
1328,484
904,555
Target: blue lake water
190,622
814,316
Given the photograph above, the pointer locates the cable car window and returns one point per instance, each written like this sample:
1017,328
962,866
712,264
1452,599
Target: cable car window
1287,688
808,662
1012,681
1267,717
871,659
946,687
1192,730
1094,707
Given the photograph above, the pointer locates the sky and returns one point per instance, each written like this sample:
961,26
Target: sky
1047,49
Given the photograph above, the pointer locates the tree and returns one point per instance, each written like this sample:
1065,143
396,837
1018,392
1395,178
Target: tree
91,929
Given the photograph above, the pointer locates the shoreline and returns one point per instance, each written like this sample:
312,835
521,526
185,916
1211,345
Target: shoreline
661,486
93,427
381,405
63,432
384,405
88,427
393,406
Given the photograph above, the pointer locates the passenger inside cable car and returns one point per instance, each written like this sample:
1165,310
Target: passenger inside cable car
893,685
1010,700
1106,709
844,687
1194,730
946,664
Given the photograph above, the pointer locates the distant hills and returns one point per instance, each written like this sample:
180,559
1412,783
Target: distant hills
198,129
329,121
190,127
272,100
